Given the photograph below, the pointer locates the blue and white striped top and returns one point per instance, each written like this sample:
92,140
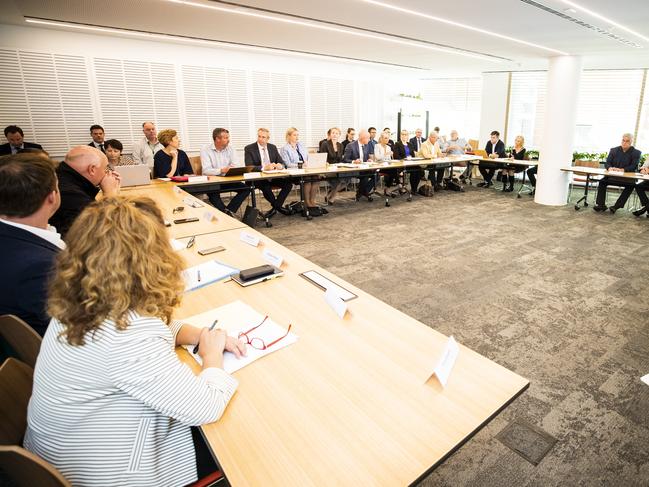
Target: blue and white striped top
118,410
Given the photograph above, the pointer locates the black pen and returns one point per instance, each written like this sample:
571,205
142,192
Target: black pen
198,275
211,328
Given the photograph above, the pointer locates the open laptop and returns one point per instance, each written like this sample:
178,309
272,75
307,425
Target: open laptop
316,160
240,170
480,153
136,175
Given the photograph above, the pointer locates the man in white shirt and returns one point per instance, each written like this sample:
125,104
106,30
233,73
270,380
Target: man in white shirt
145,148
29,196
431,150
216,159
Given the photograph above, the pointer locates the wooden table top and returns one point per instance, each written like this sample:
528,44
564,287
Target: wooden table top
351,403
600,171
509,161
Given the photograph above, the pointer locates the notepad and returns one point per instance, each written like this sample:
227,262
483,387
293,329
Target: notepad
237,317
206,273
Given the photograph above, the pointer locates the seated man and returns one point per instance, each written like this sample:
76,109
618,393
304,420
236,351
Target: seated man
266,157
29,196
15,141
216,159
624,158
457,147
357,152
416,141
81,176
430,150
145,148
641,189
495,148
97,134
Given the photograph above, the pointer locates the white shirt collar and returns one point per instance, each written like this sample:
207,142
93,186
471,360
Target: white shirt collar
51,235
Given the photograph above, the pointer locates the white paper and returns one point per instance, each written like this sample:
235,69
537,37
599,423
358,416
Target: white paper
337,304
272,258
177,245
209,272
328,285
446,363
249,239
197,179
238,317
645,379
250,175
296,171
164,179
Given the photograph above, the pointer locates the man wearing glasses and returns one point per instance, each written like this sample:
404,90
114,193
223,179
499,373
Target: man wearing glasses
84,173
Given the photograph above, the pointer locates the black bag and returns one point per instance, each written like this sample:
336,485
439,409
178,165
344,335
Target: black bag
425,190
453,184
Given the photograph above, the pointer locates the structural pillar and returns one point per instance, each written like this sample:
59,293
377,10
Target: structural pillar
558,131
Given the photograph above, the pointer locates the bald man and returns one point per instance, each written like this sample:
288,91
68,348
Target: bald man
83,174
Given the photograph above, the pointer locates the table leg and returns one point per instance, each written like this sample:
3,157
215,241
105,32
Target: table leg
306,208
585,197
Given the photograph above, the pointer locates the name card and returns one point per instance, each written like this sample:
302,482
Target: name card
249,239
209,216
645,379
336,303
251,175
296,171
447,361
196,179
192,202
177,190
272,258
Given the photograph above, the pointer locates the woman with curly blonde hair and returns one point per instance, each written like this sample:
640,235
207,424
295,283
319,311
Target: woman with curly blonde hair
112,403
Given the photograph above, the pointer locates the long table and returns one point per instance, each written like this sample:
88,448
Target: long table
591,172
503,162
352,402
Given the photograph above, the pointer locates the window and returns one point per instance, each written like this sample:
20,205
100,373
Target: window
526,107
453,103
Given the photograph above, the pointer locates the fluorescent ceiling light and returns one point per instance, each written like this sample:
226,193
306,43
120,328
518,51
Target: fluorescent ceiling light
209,43
315,25
463,26
605,19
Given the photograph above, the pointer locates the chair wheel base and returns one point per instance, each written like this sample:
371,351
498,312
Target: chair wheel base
387,203
409,198
518,195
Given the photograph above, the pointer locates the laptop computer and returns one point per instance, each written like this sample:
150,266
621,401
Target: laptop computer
240,170
316,160
136,175
480,153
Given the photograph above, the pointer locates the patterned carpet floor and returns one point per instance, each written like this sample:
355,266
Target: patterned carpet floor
559,296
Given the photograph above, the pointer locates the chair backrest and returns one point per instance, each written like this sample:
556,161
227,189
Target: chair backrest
195,161
21,338
15,390
474,143
579,176
25,469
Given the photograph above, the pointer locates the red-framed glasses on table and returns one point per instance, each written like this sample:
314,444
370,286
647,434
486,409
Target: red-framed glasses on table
258,343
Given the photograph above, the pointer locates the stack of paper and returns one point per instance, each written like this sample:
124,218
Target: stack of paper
237,317
206,273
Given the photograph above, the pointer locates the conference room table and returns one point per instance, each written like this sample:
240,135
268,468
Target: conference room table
328,171
506,163
592,172
352,401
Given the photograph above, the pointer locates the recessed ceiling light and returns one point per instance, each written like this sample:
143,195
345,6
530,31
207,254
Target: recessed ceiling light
569,11
463,26
314,25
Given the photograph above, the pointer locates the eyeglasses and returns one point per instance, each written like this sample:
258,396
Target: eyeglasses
178,209
258,343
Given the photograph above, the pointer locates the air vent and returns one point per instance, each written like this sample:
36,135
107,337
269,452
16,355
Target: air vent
599,30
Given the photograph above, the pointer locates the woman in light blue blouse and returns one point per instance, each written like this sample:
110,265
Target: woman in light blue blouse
294,153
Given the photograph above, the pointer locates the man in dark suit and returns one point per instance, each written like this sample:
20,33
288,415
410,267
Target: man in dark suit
495,148
265,157
416,141
624,158
357,152
29,196
97,134
15,141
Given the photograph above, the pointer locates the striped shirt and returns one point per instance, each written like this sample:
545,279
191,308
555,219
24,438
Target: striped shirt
118,410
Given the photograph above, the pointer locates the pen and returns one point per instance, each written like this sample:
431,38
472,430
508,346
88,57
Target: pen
190,243
199,275
195,351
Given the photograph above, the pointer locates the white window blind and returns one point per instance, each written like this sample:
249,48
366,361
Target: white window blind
47,96
642,139
607,108
332,105
454,103
527,107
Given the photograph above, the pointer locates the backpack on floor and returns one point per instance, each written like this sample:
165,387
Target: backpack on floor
425,190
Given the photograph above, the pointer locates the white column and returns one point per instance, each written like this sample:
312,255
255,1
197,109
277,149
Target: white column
558,131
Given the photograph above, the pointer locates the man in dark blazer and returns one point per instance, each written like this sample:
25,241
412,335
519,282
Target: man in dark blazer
29,196
495,148
357,152
416,141
265,156
97,134
15,141
623,158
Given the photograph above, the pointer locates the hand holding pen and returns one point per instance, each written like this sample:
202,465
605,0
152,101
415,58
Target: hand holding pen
203,333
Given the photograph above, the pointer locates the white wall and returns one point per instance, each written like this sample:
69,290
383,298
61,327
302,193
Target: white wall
493,111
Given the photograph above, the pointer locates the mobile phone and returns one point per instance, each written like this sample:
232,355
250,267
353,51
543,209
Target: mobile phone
211,250
186,220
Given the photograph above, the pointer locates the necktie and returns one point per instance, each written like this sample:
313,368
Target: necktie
418,144
362,152
101,147
264,156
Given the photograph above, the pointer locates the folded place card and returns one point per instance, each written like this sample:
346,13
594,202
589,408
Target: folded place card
645,379
209,216
447,361
249,239
295,171
272,258
197,179
177,190
177,245
336,303
251,175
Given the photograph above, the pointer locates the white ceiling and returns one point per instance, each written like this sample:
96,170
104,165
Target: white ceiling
514,18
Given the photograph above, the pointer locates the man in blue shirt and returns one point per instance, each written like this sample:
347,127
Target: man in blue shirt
624,158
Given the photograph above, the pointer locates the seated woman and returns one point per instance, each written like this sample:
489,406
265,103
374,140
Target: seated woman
383,152
293,153
351,133
112,402
518,154
113,149
170,161
402,150
335,151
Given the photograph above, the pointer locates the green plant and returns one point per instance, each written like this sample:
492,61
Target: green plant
532,155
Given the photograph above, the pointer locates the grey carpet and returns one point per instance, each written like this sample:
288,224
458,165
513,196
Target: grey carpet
558,296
